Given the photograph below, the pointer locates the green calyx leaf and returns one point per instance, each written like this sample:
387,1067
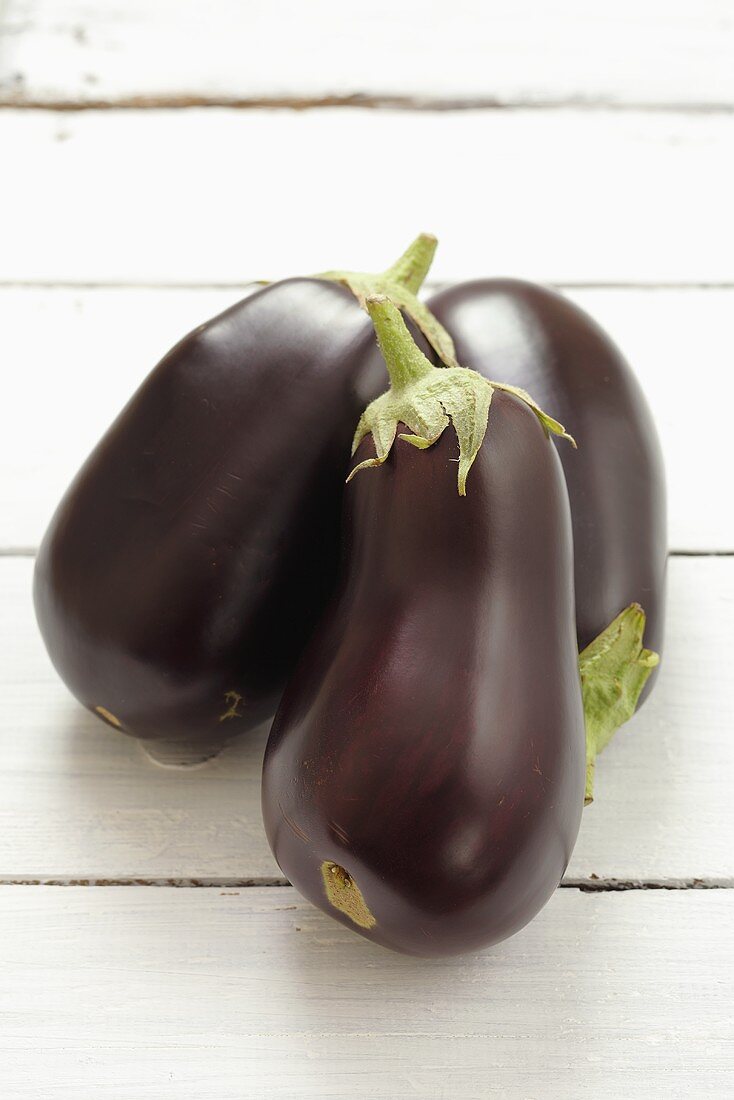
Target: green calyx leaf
427,398
549,425
400,283
427,406
614,669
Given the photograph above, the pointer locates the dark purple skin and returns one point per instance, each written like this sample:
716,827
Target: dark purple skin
431,741
198,545
530,336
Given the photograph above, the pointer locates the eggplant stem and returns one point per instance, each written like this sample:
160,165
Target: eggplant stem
400,283
426,398
414,264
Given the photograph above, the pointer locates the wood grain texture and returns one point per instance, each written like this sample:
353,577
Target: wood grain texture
212,196
126,994
177,51
85,352
78,801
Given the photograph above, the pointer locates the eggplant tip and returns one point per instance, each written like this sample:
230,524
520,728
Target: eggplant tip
344,894
108,717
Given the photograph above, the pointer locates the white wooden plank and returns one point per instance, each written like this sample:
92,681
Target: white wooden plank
632,51
85,352
199,994
78,801
209,196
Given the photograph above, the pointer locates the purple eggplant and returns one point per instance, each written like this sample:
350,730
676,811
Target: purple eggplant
189,560
424,777
533,337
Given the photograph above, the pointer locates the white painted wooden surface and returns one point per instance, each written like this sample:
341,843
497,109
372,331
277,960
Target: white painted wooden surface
125,994
628,52
212,196
93,806
237,991
85,351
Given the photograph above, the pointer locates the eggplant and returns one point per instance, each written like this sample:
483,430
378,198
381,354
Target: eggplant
533,337
424,778
185,567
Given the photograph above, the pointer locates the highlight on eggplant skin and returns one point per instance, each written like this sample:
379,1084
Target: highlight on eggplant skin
533,337
429,751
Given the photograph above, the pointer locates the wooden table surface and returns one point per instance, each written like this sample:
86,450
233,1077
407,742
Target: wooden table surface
156,157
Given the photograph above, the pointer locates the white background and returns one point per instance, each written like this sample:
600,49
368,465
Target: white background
155,157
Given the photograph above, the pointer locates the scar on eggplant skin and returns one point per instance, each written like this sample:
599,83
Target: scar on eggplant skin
233,698
344,894
108,717
293,827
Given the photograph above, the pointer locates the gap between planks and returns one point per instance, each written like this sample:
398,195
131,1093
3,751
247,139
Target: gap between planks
427,289
385,102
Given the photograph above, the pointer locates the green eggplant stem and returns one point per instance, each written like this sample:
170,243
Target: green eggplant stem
415,263
404,360
400,283
427,398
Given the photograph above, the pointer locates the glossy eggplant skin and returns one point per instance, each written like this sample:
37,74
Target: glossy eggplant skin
431,742
189,560
532,337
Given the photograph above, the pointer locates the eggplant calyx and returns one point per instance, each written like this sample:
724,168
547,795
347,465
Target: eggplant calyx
614,669
427,398
400,283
